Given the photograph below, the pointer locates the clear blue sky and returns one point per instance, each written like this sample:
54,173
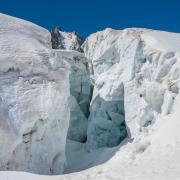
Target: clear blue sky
88,16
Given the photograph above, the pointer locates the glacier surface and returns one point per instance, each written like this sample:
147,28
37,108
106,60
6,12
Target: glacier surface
112,102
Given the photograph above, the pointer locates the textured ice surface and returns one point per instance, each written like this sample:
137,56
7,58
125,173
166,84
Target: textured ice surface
106,124
34,92
135,74
125,67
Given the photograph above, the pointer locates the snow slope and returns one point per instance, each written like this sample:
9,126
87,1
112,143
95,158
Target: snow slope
162,40
135,74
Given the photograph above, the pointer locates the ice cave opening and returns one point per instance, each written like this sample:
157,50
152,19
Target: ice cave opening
105,133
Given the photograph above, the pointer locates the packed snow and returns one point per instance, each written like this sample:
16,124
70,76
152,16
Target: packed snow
118,104
162,40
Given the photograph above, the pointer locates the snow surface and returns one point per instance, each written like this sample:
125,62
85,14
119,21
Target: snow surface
162,40
76,152
140,68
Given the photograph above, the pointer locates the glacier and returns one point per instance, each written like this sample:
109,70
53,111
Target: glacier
34,83
103,108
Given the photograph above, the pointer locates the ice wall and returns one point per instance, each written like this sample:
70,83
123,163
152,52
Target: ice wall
34,93
128,72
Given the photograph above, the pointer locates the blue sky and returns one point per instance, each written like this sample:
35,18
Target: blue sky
88,16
